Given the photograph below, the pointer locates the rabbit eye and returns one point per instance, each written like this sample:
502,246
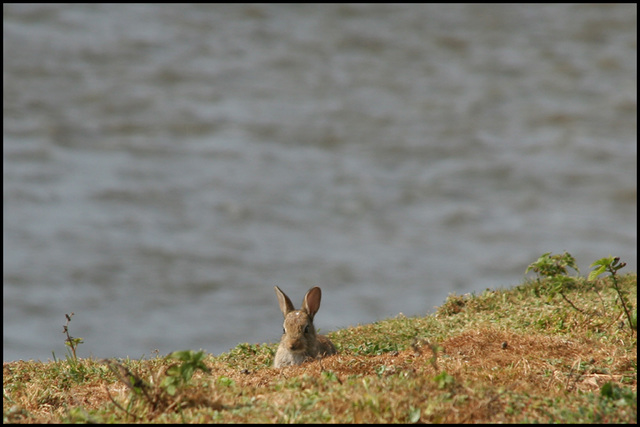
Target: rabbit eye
283,331
306,329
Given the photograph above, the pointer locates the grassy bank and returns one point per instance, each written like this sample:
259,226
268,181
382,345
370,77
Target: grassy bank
526,354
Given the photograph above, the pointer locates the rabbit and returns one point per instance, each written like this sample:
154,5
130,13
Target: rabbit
299,341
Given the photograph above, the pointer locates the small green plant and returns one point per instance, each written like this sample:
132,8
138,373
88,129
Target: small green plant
75,370
612,265
553,265
71,342
160,397
179,375
141,390
554,268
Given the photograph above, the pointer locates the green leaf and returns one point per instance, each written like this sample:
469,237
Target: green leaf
225,381
171,389
183,355
414,415
596,273
173,371
603,262
443,379
187,372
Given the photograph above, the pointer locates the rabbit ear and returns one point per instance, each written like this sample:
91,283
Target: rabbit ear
311,302
286,305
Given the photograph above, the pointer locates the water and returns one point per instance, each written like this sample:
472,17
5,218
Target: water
164,166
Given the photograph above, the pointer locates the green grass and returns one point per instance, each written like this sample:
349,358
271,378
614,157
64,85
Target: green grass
522,355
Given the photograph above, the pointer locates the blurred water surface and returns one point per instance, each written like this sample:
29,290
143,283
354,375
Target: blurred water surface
164,166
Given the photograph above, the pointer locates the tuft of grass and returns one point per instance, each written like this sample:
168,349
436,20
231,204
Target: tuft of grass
503,356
